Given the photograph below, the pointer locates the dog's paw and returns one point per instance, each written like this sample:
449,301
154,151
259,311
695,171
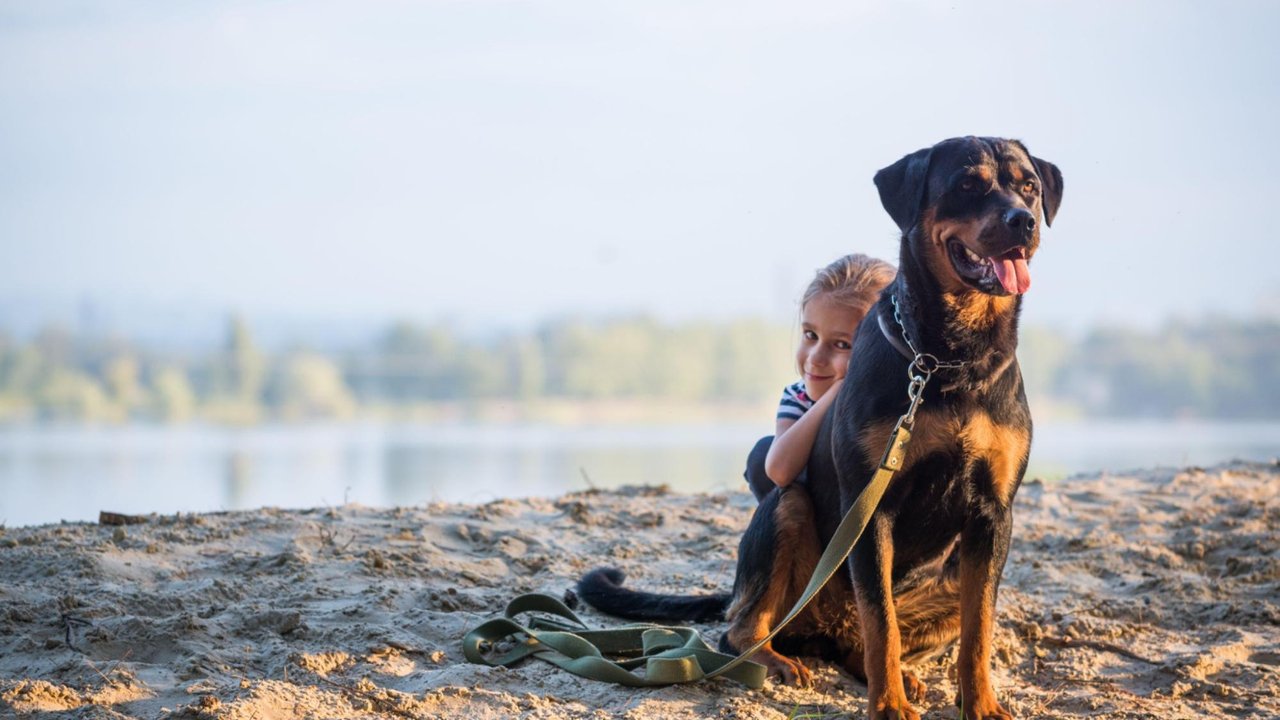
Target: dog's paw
983,708
914,687
785,669
793,672
996,713
904,711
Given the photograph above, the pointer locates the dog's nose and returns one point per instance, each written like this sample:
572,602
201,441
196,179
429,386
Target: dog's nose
1020,220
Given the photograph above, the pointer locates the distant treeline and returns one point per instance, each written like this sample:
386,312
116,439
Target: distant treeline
1215,368
1211,369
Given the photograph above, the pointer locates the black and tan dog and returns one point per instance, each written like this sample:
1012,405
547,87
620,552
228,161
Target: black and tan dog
928,565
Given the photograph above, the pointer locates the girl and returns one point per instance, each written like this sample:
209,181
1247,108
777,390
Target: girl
832,306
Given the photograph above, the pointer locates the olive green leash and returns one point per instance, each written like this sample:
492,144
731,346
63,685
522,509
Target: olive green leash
669,655
672,655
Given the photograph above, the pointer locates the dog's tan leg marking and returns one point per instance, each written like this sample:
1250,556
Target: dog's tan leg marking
882,651
796,555
928,620
977,613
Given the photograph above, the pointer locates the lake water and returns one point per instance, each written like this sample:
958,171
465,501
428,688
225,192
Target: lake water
51,474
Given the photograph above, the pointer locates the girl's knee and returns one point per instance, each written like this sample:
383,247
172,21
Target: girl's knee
761,449
755,475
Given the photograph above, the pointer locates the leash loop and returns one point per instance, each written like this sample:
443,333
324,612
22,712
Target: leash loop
667,654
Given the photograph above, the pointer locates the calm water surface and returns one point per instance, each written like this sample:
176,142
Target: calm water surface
52,474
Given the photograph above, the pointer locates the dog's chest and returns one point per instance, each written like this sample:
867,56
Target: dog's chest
956,457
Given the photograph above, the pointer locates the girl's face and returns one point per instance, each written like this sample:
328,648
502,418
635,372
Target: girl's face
827,329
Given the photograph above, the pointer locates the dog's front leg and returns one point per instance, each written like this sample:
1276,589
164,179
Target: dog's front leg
984,545
871,565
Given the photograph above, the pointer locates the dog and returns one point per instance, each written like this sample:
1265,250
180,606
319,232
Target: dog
927,568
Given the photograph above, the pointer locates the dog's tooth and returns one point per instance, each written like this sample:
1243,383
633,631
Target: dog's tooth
972,255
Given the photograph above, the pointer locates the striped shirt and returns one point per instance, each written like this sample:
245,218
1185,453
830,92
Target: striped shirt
795,402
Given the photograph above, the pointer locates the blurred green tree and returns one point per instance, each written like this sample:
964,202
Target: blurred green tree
173,399
309,386
122,378
415,364
71,396
237,377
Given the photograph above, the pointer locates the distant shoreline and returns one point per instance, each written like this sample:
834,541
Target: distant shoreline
51,473
572,412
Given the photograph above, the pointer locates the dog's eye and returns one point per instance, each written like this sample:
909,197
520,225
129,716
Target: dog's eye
1029,187
968,184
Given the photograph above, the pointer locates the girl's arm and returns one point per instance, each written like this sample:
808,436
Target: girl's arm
793,440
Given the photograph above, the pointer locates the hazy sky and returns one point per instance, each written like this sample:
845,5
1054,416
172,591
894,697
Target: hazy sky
498,162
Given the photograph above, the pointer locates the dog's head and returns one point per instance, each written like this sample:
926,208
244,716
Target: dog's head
970,208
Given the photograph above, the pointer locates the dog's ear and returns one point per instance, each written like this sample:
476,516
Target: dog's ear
1051,187
1050,183
902,187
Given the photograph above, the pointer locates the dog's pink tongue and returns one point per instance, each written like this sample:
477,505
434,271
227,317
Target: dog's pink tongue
1011,269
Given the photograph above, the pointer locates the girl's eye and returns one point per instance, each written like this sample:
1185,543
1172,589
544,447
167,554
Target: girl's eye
842,345
810,335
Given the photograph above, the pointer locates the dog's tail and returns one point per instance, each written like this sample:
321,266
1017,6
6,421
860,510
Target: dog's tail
602,589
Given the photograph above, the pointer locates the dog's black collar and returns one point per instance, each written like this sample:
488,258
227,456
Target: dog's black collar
893,338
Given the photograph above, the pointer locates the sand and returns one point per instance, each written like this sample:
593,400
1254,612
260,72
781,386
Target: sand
1150,594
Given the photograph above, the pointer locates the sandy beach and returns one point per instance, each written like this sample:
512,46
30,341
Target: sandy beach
1150,594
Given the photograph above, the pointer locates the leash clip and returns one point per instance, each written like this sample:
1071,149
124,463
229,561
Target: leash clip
915,393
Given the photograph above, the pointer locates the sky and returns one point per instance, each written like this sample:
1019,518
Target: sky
498,163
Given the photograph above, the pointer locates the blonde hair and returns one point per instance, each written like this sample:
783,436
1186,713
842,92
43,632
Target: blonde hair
853,280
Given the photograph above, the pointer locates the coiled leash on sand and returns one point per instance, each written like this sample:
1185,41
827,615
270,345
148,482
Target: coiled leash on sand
677,654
